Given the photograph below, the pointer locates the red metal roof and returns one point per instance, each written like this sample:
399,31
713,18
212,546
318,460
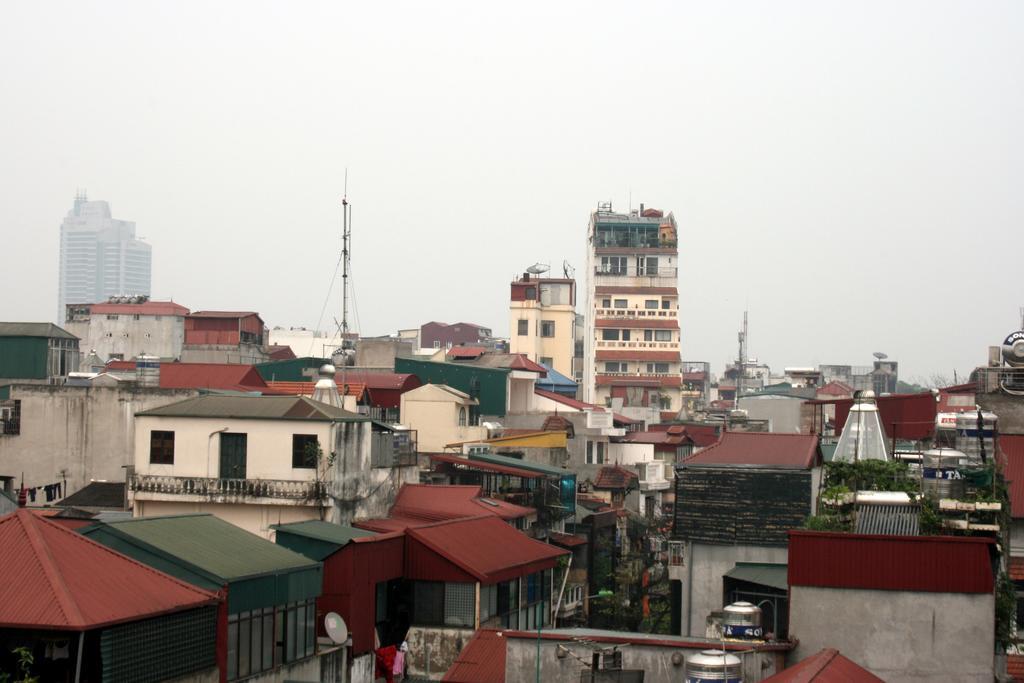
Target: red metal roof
225,376
912,415
147,308
484,466
280,352
828,666
222,314
1012,447
834,388
622,323
1016,568
54,578
639,354
936,564
433,503
307,388
566,540
698,376
658,438
466,351
615,477
483,659
483,547
664,291
567,401
760,448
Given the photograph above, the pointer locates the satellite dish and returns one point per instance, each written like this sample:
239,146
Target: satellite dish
879,355
538,268
568,271
336,629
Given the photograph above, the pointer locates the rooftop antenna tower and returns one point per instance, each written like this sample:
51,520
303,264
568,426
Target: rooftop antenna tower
346,259
741,362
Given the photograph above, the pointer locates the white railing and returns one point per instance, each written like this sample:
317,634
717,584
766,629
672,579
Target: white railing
636,312
602,343
209,486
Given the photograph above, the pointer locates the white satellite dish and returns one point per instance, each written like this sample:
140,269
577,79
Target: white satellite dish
538,268
879,355
336,629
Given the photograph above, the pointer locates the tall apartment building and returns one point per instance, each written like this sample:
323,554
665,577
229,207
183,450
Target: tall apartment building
632,339
99,257
543,321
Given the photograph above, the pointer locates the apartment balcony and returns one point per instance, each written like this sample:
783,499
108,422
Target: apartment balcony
633,271
636,313
650,345
216,490
1000,380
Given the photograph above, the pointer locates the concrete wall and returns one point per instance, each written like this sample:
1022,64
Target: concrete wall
86,432
197,447
558,348
783,412
434,414
899,636
161,336
654,660
357,489
1009,409
254,518
706,565
433,649
381,353
243,354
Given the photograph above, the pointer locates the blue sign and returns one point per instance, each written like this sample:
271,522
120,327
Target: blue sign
940,473
741,631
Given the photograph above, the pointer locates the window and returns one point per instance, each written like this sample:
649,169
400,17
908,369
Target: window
10,417
590,452
305,450
460,604
251,638
610,335
615,367
523,328
625,335
595,452
531,293
647,266
547,328
651,304
508,603
428,603
613,265
666,304
462,416
488,602
600,452
161,448
648,335
657,367
112,316
621,303
663,335
437,344
606,303
544,360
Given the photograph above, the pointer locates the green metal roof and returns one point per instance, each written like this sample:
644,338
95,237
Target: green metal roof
211,544
255,408
47,330
761,573
323,531
495,459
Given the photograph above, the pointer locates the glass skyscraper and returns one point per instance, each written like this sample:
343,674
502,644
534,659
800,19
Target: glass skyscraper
99,257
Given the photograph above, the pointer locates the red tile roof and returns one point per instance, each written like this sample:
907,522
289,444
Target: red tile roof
835,389
1012,447
484,547
760,448
466,351
620,323
934,564
666,291
658,438
483,659
54,578
639,354
147,308
828,666
224,376
615,477
422,504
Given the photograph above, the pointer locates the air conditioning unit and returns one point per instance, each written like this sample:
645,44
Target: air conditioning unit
476,449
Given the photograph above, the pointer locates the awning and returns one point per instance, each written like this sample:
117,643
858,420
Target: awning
761,573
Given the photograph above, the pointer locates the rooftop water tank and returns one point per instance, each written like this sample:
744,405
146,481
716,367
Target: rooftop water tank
714,666
940,473
974,434
742,620
147,371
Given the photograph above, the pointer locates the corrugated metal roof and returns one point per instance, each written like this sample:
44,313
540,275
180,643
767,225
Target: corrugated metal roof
466,351
323,531
938,564
486,547
437,502
255,408
887,520
222,314
507,361
228,376
47,330
210,544
484,466
307,388
54,578
567,401
762,449
483,659
496,459
761,573
912,415
1012,447
621,323
827,666
98,494
567,540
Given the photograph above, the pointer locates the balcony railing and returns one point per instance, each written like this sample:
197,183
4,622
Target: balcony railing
209,486
1003,379
633,271
637,312
604,344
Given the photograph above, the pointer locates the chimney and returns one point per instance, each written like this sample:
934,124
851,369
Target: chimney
526,277
641,208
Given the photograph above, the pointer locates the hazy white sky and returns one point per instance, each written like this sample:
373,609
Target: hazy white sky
849,171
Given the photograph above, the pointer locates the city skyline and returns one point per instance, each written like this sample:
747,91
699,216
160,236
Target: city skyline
844,173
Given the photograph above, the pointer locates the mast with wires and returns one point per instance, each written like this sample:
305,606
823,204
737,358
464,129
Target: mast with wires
346,259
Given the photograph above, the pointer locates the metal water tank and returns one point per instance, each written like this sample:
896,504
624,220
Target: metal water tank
742,620
714,666
940,473
973,434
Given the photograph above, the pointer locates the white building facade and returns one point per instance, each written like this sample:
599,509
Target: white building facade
632,338
100,257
